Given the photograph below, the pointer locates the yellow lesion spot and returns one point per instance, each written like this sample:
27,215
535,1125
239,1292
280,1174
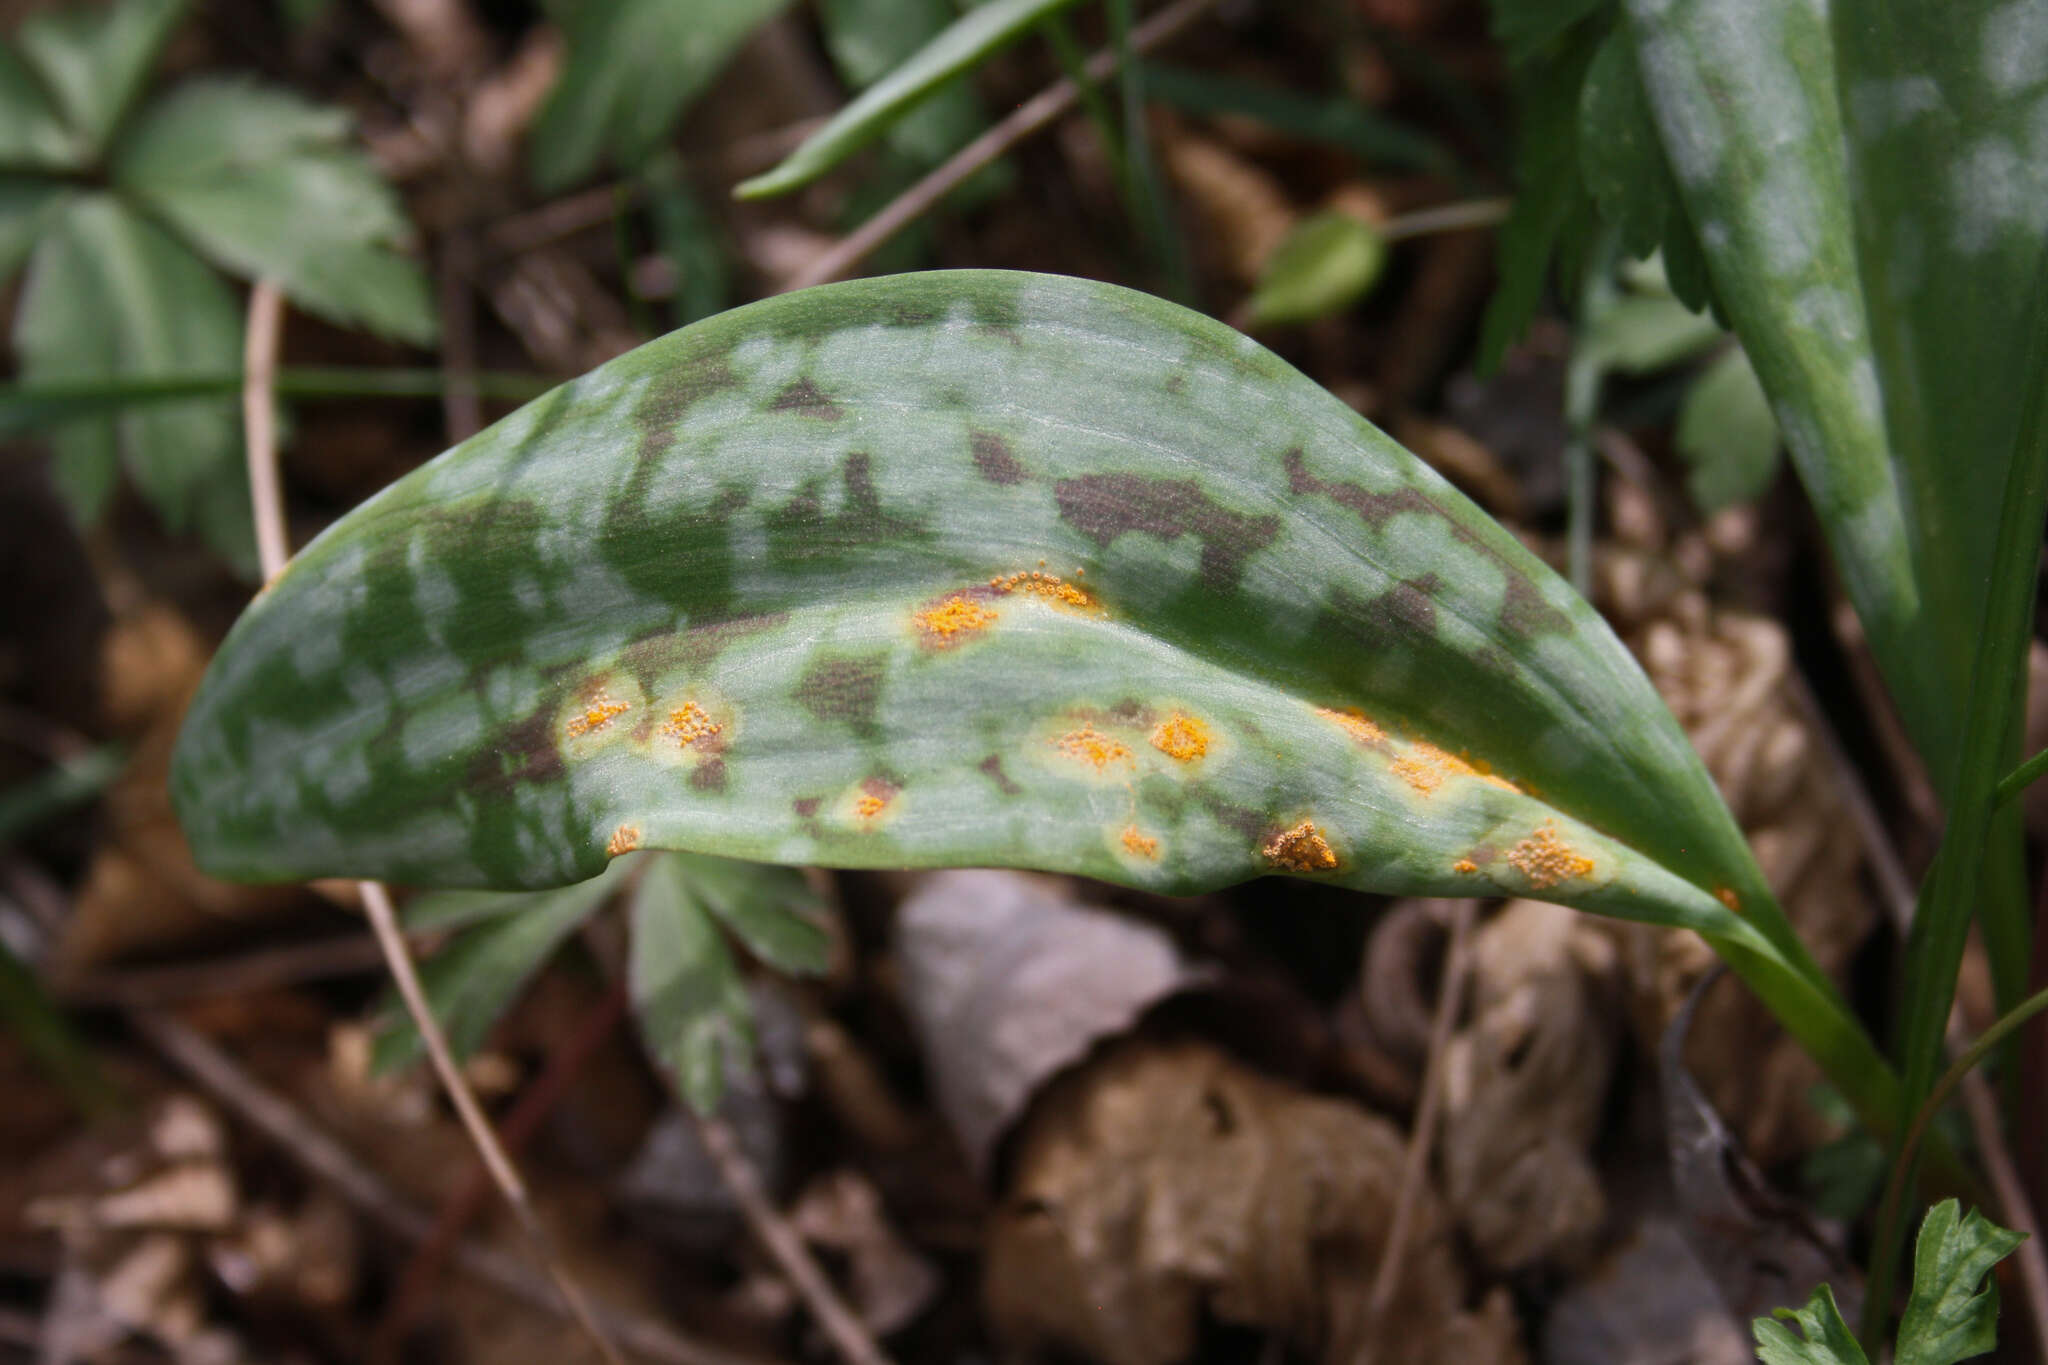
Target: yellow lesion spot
1354,723
946,622
1181,737
1139,844
598,711
1051,587
1465,867
689,723
1301,849
873,798
624,839
1425,767
1090,746
1546,859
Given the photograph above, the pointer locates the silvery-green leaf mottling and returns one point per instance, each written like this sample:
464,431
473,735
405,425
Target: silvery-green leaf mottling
961,568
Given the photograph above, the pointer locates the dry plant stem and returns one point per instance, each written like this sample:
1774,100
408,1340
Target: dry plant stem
416,1282
259,362
1450,1001
241,1094
1029,117
849,1335
1458,217
259,375
2015,1208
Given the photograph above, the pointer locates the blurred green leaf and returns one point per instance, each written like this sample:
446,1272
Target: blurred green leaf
28,1013
691,1002
269,185
965,44
1382,143
109,295
1526,27
93,61
633,66
1952,1312
1726,434
476,977
1827,1340
1325,263
69,783
1642,333
689,239
770,909
867,39
27,206
32,136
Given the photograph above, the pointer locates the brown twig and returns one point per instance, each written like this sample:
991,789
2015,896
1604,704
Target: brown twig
416,1281
266,309
848,1334
1029,117
270,1114
1450,1001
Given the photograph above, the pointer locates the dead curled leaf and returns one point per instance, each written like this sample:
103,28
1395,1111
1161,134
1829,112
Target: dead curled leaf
1165,1182
1526,1085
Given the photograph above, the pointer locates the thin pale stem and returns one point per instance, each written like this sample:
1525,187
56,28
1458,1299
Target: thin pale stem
1029,117
259,365
1450,1001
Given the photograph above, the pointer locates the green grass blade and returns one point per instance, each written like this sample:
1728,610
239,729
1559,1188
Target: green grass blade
963,568
965,44
70,783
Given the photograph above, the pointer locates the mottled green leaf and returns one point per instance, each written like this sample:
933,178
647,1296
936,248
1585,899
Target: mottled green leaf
93,60
1952,1312
111,295
1743,92
476,977
964,45
267,184
633,66
1324,264
963,568
691,1003
1827,1339
1726,434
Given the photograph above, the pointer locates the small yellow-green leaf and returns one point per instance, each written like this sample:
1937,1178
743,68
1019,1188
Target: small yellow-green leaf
1323,265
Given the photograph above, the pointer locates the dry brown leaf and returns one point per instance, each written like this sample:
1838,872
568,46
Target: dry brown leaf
1243,210
891,1281
1009,982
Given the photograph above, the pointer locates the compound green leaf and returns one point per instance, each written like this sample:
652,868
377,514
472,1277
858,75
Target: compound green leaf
32,136
110,295
269,185
965,44
633,66
1826,1339
1952,1312
962,568
502,942
770,909
687,992
93,61
27,206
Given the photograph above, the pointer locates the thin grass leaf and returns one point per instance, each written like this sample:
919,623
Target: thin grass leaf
1380,142
964,45
70,783
964,568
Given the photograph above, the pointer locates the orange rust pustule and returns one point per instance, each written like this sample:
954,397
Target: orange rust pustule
624,839
875,795
1355,723
1465,867
1426,767
1181,737
690,723
1726,895
1139,844
1546,859
598,712
1048,586
1301,849
1089,745
952,618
